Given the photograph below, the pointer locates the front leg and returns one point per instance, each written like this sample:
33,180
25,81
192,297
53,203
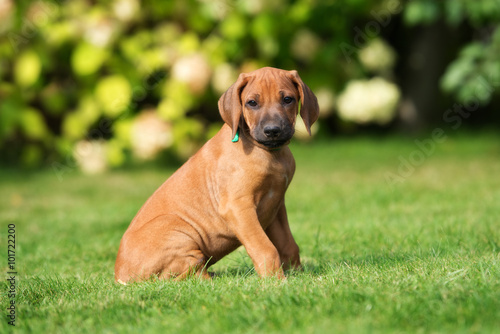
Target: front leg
241,217
281,236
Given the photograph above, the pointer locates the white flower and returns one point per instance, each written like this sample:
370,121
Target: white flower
365,101
377,56
150,135
125,10
224,76
254,7
6,16
5,8
326,100
305,45
91,156
217,9
193,70
40,13
100,32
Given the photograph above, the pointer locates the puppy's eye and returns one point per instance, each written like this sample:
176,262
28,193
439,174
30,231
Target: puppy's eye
287,99
252,103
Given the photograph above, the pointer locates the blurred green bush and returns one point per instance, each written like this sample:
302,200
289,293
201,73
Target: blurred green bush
475,74
100,83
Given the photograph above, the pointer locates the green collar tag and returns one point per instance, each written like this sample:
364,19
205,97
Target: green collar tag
236,136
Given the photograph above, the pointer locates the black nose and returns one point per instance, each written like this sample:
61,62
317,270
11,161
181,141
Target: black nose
272,131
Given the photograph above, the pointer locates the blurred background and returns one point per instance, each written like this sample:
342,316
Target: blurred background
96,85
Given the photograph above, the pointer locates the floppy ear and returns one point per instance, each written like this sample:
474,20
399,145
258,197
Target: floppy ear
309,109
230,106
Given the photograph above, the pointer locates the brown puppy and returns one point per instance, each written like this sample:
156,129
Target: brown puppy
230,193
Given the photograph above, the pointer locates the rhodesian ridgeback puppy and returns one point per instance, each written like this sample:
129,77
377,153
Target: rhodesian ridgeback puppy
230,193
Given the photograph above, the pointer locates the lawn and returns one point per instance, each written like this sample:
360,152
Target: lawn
392,241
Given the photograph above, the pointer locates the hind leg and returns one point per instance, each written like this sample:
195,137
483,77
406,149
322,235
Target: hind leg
192,264
164,247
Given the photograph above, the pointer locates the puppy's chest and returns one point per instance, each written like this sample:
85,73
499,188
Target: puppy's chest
270,196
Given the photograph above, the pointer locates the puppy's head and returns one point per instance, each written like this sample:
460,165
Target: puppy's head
266,102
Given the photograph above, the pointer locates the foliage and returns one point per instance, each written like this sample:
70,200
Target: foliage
420,257
475,74
80,71
107,82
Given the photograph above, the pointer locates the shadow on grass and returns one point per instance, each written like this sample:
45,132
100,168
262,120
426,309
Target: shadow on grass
408,261
321,265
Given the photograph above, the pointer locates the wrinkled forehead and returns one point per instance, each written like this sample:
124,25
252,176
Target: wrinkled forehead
269,84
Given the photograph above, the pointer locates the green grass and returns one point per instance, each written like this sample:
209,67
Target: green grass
420,256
